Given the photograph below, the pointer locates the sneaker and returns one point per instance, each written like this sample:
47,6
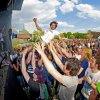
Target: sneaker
13,35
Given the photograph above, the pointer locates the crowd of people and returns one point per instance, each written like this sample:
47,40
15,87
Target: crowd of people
62,69
55,69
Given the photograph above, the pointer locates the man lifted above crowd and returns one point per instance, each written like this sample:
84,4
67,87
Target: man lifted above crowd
48,34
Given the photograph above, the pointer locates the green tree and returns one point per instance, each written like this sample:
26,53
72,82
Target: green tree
65,34
68,34
77,35
84,36
36,36
71,36
62,35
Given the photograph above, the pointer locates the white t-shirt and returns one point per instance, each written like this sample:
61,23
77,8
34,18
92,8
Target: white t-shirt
49,35
77,56
95,77
67,90
89,45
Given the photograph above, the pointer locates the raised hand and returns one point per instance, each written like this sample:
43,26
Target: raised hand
38,48
43,45
57,44
59,37
35,20
51,43
30,48
88,79
50,46
33,50
25,51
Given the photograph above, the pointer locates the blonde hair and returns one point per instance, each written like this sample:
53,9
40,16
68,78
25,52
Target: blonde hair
87,53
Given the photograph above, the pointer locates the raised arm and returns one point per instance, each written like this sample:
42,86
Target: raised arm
57,49
37,26
63,42
56,58
88,79
25,74
50,68
33,60
80,71
29,58
65,52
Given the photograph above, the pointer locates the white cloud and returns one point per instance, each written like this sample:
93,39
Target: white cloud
84,10
44,11
68,6
87,10
75,29
29,27
75,1
96,29
65,27
85,30
65,24
82,30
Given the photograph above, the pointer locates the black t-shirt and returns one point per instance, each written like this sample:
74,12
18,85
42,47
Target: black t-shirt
0,60
15,61
35,88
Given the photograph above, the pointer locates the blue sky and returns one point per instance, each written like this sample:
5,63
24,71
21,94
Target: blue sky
71,15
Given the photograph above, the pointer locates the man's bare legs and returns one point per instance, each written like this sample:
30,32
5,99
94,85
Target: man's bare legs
23,36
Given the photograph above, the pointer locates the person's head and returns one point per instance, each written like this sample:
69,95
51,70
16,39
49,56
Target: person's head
50,57
92,62
71,67
23,48
18,51
53,25
79,50
97,57
46,50
95,63
83,52
40,62
85,55
70,49
37,56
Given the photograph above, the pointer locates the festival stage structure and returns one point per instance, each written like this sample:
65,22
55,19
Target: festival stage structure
6,10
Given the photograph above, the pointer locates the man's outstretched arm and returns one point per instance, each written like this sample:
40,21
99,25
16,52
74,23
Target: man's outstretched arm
37,26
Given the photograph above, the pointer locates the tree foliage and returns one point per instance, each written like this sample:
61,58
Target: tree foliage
81,35
36,36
